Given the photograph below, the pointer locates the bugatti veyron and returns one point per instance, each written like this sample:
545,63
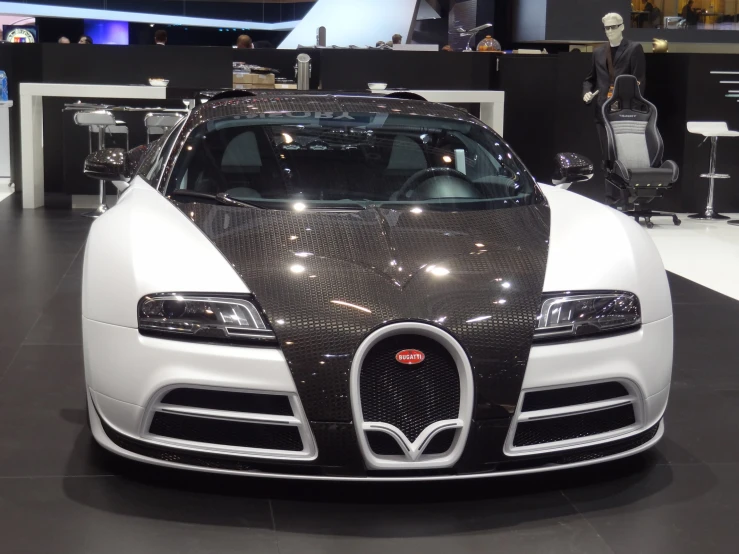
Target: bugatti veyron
337,286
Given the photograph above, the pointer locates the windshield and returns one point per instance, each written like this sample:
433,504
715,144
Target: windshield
351,160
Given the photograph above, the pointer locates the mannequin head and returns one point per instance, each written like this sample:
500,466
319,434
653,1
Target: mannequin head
614,26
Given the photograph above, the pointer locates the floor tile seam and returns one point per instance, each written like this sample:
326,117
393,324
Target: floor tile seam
56,289
587,522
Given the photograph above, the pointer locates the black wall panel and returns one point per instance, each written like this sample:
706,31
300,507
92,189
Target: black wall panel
706,101
184,66
529,83
575,121
353,69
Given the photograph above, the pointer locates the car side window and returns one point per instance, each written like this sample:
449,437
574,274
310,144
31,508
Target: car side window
153,164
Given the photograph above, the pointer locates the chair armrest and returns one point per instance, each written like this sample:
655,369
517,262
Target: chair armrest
669,164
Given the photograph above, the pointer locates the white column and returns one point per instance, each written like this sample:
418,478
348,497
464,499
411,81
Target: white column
32,149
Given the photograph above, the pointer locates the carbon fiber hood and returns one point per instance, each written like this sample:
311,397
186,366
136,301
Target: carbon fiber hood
327,279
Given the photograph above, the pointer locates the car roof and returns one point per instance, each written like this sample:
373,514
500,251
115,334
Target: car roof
280,101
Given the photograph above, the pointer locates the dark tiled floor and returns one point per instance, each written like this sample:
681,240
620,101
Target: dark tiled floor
60,494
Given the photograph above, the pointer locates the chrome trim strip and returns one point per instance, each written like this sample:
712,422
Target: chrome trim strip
576,409
414,457
244,417
299,420
636,398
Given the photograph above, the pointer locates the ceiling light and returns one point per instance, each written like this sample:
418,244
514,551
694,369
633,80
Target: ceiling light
297,268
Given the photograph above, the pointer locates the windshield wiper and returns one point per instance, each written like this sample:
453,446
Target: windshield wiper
221,198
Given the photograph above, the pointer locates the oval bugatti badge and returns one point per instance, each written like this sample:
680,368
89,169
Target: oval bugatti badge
410,357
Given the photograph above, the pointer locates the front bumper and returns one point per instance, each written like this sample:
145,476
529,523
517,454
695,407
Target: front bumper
125,371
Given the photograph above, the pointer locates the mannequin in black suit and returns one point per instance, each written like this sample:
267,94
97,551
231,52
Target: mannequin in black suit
627,59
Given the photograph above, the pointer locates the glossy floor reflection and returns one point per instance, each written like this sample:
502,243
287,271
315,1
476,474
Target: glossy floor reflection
60,494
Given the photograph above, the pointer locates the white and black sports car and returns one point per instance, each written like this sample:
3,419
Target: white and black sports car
334,286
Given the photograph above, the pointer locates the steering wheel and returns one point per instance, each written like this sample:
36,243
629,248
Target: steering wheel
426,174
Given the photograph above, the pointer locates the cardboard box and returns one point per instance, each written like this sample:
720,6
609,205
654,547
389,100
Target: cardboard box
253,78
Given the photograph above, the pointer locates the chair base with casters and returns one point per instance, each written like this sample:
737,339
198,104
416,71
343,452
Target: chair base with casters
632,205
712,130
635,171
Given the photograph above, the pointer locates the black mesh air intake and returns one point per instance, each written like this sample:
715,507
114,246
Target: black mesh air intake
543,431
383,444
570,396
255,403
411,397
231,433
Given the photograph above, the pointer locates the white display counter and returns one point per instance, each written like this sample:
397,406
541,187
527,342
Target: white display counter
492,102
32,125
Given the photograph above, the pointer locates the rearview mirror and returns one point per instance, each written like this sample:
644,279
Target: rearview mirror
111,164
571,168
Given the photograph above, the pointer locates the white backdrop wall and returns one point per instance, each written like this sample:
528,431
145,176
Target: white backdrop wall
354,22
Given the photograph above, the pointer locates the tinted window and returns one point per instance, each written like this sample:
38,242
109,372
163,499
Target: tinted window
352,159
153,163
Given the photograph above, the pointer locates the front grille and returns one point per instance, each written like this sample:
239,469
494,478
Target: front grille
230,433
441,442
383,444
569,427
569,396
273,404
410,397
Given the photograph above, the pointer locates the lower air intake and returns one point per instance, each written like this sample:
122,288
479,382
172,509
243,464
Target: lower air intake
231,421
230,433
559,429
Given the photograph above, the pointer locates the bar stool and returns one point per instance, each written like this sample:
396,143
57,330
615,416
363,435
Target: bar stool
100,122
712,130
159,123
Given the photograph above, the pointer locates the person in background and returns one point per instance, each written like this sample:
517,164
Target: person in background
244,42
63,40
160,37
84,39
397,39
690,14
646,18
447,48
380,44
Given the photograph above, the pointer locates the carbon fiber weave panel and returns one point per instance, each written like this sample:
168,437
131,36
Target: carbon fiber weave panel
326,280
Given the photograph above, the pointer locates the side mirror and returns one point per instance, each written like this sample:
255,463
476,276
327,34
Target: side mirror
571,168
111,164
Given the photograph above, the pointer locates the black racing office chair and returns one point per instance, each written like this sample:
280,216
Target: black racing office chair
635,170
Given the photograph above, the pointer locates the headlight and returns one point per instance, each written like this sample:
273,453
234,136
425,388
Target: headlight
576,315
203,317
